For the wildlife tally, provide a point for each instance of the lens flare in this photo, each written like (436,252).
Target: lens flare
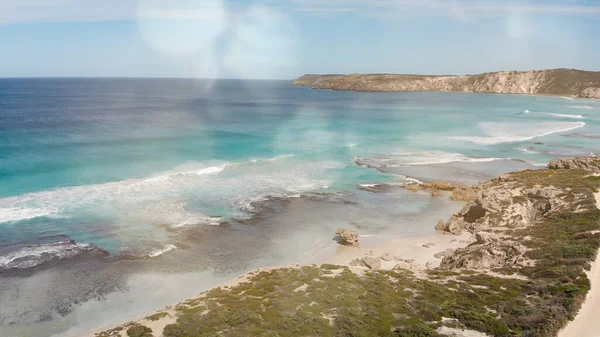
(181,27)
(263,45)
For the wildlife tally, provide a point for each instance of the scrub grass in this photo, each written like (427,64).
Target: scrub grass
(330,300)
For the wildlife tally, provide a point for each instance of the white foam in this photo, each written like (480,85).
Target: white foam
(161,251)
(11,214)
(510,132)
(402,159)
(34,255)
(568,98)
(174,197)
(565,115)
(526,111)
(369,185)
(587,107)
(170,175)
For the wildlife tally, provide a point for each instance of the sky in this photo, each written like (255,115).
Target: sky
(284,39)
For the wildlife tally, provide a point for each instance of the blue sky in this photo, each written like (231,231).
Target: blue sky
(286,38)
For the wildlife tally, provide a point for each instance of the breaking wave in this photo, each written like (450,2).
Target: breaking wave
(35,255)
(403,159)
(175,197)
(161,251)
(565,115)
(587,107)
(498,133)
(12,214)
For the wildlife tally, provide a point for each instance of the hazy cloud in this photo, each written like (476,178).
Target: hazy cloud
(18,11)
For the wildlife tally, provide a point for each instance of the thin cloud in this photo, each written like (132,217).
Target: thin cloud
(19,11)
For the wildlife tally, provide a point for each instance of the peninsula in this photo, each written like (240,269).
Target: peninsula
(560,82)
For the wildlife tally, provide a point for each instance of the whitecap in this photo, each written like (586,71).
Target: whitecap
(161,251)
(415,158)
(369,185)
(568,98)
(161,178)
(587,107)
(34,255)
(498,133)
(12,214)
(565,115)
(176,197)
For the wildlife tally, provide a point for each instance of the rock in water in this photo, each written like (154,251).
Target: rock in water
(586,163)
(349,237)
(441,225)
(371,262)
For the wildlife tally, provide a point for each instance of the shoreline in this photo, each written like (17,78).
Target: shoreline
(566,97)
(585,84)
(437,259)
(411,248)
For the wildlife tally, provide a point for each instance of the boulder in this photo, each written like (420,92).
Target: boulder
(439,185)
(355,263)
(413,187)
(446,252)
(403,265)
(349,237)
(388,257)
(481,238)
(441,225)
(371,262)
(454,227)
(586,163)
(483,256)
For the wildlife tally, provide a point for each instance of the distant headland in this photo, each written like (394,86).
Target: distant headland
(560,82)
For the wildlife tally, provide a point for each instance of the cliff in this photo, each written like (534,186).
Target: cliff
(562,82)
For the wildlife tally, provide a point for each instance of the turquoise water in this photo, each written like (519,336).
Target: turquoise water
(123,164)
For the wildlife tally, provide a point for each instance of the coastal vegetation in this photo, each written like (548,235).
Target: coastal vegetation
(522,277)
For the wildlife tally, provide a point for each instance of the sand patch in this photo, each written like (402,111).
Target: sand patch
(586,323)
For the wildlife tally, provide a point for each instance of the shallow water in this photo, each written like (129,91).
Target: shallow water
(107,185)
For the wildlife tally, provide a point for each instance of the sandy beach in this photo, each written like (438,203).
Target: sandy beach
(420,255)
(418,251)
(586,322)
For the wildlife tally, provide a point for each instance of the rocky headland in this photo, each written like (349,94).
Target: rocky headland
(562,82)
(515,261)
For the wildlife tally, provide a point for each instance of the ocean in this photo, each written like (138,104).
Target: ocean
(119,196)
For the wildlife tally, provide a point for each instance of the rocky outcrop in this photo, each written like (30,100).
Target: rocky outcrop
(490,254)
(458,192)
(371,262)
(514,201)
(586,163)
(565,82)
(348,237)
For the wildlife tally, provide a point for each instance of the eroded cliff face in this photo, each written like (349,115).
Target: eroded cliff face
(566,82)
